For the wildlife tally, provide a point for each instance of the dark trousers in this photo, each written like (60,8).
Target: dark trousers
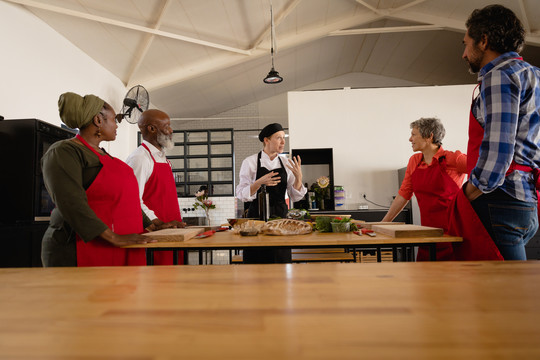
(511,223)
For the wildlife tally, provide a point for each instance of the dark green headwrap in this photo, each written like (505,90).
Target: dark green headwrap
(77,111)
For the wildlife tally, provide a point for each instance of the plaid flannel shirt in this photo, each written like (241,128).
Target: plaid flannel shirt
(508,108)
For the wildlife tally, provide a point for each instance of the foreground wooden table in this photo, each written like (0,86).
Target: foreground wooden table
(226,240)
(459,310)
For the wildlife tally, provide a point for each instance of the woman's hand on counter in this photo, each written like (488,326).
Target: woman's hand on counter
(124,240)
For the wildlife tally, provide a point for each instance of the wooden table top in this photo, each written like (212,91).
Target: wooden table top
(442,310)
(227,240)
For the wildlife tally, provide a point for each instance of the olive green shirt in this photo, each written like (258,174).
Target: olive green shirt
(69,168)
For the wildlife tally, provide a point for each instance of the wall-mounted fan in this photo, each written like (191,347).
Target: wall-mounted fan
(135,102)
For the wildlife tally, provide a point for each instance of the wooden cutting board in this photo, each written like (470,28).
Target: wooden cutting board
(369,225)
(205,227)
(175,235)
(407,231)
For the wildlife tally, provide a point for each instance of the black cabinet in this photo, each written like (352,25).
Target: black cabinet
(315,163)
(22,144)
(21,245)
(26,205)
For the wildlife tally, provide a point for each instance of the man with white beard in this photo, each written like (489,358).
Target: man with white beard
(157,187)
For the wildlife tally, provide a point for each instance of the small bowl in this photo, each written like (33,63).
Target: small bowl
(249,232)
(341,227)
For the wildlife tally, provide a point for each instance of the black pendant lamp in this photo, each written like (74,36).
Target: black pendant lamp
(273,76)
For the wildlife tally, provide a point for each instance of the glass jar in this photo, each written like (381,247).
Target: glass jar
(339,197)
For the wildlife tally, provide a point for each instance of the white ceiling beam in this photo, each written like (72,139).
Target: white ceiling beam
(374,9)
(418,17)
(281,16)
(123,24)
(143,48)
(449,24)
(385,30)
(182,74)
(406,6)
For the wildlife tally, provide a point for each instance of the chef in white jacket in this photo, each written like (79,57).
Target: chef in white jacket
(280,175)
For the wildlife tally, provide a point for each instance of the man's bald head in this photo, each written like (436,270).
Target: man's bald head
(151,117)
(154,123)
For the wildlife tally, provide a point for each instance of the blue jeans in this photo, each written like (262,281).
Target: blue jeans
(511,223)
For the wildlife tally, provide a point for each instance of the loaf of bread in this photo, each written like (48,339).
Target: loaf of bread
(286,227)
(249,226)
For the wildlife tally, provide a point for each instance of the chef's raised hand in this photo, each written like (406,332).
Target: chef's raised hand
(295,165)
(124,240)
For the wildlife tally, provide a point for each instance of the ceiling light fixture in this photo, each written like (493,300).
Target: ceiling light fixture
(273,76)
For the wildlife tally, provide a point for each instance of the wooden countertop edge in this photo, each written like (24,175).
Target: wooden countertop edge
(227,240)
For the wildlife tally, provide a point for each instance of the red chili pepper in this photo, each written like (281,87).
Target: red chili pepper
(365,231)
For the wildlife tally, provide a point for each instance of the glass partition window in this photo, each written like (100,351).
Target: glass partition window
(203,158)
(197,163)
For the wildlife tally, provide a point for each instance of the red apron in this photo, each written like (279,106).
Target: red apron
(463,220)
(114,197)
(476,135)
(434,189)
(160,196)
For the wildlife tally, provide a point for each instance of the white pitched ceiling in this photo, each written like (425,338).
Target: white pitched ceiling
(202,57)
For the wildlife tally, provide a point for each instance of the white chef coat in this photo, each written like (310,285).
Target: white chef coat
(143,166)
(248,173)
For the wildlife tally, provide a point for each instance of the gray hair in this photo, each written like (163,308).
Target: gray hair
(428,127)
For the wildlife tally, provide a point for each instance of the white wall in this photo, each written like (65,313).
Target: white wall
(37,65)
(369,131)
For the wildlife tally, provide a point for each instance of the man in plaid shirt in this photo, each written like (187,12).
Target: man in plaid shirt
(504,130)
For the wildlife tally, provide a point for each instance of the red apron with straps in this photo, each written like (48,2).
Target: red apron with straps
(114,198)
(463,220)
(434,189)
(160,196)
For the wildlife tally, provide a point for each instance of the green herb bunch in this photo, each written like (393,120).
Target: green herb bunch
(323,223)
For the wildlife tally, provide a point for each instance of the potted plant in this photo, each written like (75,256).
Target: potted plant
(321,190)
(202,201)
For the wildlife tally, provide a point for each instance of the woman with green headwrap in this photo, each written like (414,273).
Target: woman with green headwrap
(96,196)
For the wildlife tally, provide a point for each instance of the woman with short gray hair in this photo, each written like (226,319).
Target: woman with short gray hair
(428,127)
(434,175)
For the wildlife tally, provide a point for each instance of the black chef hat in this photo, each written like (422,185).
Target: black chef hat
(269,130)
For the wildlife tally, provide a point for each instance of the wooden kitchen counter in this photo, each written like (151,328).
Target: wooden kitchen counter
(450,310)
(227,240)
